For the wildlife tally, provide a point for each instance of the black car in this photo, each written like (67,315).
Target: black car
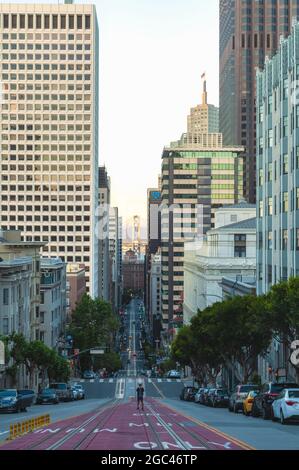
(209,397)
(187,393)
(262,403)
(11,400)
(220,397)
(48,395)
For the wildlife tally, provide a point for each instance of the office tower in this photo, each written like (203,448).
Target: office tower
(153,240)
(249,31)
(49,129)
(278,182)
(103,230)
(195,182)
(153,219)
(114,258)
(203,124)
(203,118)
(277,166)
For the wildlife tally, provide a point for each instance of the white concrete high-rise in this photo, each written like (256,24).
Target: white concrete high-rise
(49,129)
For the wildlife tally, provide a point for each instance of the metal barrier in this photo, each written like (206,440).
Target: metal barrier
(19,429)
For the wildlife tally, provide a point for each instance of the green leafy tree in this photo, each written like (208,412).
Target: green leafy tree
(93,325)
(283,305)
(242,332)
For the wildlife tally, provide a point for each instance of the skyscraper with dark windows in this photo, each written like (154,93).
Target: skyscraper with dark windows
(250,30)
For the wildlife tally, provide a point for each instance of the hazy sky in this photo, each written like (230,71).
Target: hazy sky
(152,54)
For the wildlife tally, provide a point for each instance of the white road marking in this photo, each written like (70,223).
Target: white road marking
(92,381)
(101,381)
(159,381)
(168,380)
(111,381)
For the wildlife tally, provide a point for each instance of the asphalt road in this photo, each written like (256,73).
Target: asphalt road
(260,434)
(116,398)
(57,412)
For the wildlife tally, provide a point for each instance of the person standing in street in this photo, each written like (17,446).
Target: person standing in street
(140,394)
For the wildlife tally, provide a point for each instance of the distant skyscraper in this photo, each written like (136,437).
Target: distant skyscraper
(249,31)
(203,118)
(202,125)
(49,129)
(104,203)
(191,179)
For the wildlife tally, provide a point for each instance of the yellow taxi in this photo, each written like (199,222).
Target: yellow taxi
(248,402)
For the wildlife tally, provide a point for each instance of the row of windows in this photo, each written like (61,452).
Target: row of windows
(281,240)
(29,76)
(46,36)
(46,57)
(45,47)
(38,117)
(46,228)
(46,197)
(45,188)
(45,158)
(45,147)
(45,127)
(45,168)
(45,21)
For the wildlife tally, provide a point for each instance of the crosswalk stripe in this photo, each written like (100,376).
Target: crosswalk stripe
(92,381)
(111,381)
(101,381)
(159,380)
(178,380)
(168,380)
(149,381)
(82,380)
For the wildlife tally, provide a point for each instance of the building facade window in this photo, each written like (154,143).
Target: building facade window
(240,246)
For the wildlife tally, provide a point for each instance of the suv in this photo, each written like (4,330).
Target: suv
(262,403)
(220,397)
(187,392)
(63,390)
(238,396)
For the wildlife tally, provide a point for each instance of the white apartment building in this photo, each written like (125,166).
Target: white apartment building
(13,248)
(228,251)
(53,301)
(15,301)
(49,129)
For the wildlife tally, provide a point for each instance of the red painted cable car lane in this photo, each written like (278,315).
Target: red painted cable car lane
(119,426)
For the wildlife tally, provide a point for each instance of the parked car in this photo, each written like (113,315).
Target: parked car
(75,393)
(88,375)
(248,402)
(173,374)
(209,395)
(220,397)
(11,400)
(28,393)
(48,395)
(263,401)
(198,395)
(202,397)
(238,396)
(81,391)
(285,407)
(190,395)
(63,391)
(186,391)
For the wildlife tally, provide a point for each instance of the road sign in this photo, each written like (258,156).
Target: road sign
(97,351)
(2,354)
